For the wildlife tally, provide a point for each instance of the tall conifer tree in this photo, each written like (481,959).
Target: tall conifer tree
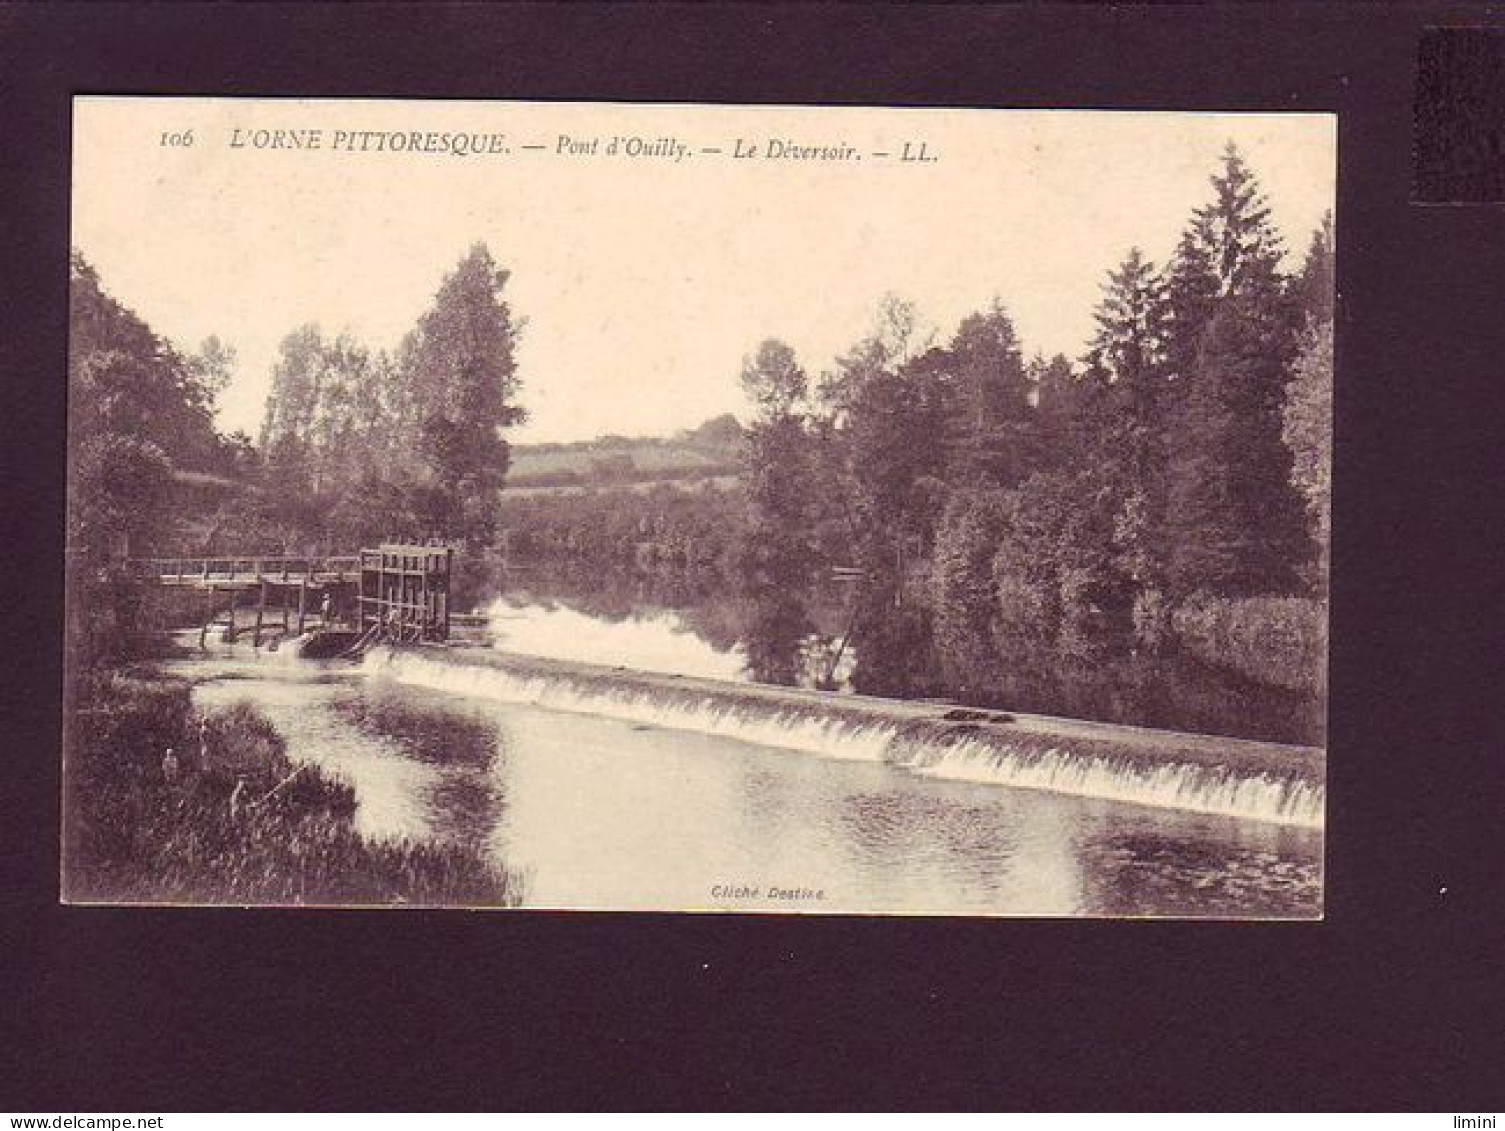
(1131,350)
(1235,523)
(1314,289)
(1057,390)
(991,438)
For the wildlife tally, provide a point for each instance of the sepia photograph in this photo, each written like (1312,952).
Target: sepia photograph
(776,509)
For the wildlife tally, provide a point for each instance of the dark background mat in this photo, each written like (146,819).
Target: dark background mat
(1391,1003)
(1460,116)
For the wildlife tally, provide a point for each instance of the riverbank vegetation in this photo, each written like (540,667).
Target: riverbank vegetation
(356,445)
(226,817)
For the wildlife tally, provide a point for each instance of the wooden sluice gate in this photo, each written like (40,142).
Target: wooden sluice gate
(397,593)
(404,594)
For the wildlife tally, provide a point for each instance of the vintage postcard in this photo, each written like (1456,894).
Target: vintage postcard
(758,509)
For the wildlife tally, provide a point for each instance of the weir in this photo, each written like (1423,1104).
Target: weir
(1168,769)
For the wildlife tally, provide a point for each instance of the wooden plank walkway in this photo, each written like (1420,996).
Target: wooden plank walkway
(248,573)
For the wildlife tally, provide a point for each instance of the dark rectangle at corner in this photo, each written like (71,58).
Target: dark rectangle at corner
(1459,146)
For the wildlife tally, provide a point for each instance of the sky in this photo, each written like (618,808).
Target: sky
(644,279)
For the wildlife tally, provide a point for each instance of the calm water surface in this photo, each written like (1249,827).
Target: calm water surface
(602,814)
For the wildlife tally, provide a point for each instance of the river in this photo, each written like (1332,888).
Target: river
(610,813)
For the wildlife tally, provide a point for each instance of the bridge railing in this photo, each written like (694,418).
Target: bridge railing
(278,567)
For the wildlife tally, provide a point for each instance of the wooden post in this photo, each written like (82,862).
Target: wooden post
(261,608)
(204,631)
(234,600)
(286,600)
(449,565)
(302,604)
(423,594)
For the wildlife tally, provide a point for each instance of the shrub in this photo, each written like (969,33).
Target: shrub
(1281,641)
(1151,619)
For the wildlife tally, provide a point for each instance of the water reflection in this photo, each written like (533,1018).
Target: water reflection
(867,637)
(461,797)
(785,638)
(775,636)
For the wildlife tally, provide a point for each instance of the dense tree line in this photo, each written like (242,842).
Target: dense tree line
(997,503)
(666,529)
(359,445)
(142,444)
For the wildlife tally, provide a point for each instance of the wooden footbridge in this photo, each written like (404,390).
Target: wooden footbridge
(397,593)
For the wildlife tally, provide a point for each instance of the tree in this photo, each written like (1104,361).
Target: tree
(1131,336)
(1245,247)
(719,435)
(776,632)
(779,547)
(459,376)
(139,414)
(1132,429)
(773,380)
(1307,428)
(409,446)
(287,424)
(329,428)
(1234,523)
(991,437)
(1315,288)
(1058,439)
(892,342)
(213,366)
(895,440)
(130,381)
(1191,294)
(1230,249)
(962,589)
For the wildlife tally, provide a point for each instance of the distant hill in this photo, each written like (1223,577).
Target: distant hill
(713,451)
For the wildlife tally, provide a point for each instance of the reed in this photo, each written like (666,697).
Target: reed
(243,825)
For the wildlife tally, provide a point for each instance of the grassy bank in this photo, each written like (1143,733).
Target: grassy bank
(242,825)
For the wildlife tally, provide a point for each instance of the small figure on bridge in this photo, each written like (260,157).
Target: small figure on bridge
(326,607)
(169,766)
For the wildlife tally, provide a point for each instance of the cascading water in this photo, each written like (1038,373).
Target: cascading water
(1255,781)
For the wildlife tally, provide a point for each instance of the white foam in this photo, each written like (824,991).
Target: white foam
(1019,764)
